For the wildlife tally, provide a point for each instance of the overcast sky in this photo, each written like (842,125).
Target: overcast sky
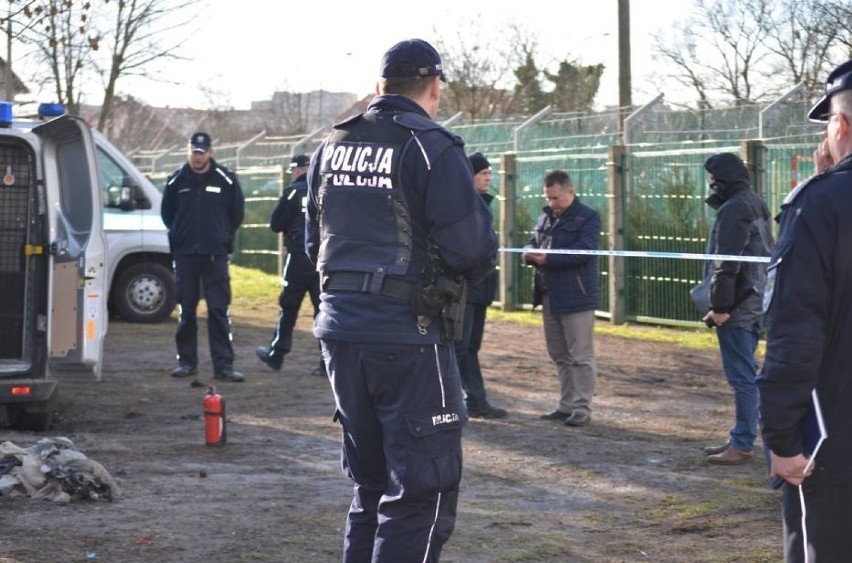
(247,49)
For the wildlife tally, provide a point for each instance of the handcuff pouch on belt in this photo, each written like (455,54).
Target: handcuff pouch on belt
(444,297)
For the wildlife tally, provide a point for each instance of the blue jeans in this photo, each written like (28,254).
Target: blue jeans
(737,345)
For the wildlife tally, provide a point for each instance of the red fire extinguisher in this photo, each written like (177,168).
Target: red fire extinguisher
(214,418)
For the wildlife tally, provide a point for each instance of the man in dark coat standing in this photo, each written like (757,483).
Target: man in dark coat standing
(742,228)
(809,332)
(567,288)
(203,207)
(479,296)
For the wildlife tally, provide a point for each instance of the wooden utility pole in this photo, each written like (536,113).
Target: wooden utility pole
(625,98)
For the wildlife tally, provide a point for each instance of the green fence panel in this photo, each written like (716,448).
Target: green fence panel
(663,204)
(589,174)
(665,212)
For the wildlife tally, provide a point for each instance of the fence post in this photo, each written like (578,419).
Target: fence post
(508,189)
(754,155)
(615,209)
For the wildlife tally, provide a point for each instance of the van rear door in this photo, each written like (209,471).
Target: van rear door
(77,317)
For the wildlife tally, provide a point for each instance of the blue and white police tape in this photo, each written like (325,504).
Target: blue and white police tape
(642,254)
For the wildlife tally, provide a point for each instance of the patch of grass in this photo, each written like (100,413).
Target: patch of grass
(702,339)
(253,289)
(679,507)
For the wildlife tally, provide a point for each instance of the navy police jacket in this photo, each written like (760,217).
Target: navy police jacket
(570,280)
(202,211)
(390,193)
(742,228)
(808,305)
(288,217)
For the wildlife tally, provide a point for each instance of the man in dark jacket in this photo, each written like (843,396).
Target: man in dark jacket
(479,296)
(567,287)
(394,228)
(809,333)
(203,208)
(742,228)
(300,275)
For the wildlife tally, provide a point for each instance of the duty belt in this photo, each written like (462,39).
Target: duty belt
(360,281)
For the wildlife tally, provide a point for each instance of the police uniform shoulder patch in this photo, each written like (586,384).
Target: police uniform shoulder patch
(226,174)
(415,121)
(348,121)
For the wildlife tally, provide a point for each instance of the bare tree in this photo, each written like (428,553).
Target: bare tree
(720,51)
(477,72)
(745,52)
(64,42)
(139,29)
(18,21)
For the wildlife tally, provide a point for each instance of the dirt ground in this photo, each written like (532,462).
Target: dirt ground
(632,486)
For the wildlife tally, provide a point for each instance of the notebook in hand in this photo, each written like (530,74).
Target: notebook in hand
(815,434)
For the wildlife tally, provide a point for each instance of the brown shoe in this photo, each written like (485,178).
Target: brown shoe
(731,456)
(714,450)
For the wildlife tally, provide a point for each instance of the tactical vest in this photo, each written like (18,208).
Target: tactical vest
(365,223)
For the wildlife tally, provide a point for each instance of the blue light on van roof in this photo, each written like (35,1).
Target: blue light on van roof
(5,114)
(50,110)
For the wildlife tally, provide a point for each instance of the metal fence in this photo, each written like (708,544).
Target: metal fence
(663,191)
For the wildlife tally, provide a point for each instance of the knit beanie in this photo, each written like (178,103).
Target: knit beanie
(478,162)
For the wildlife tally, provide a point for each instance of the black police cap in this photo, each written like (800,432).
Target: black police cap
(300,161)
(410,58)
(839,79)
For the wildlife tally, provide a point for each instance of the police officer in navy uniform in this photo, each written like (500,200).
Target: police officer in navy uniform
(300,274)
(203,208)
(808,304)
(395,227)
(479,296)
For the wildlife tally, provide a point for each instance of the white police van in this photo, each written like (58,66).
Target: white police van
(53,264)
(80,231)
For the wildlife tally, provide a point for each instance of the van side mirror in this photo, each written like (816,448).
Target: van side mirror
(127,198)
(127,201)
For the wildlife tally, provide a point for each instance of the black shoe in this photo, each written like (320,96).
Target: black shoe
(715,450)
(556,415)
(183,370)
(228,374)
(578,418)
(274,361)
(319,369)
(487,412)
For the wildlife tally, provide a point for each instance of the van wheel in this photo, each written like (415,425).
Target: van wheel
(145,293)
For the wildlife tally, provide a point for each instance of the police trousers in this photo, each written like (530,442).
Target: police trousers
(828,512)
(401,411)
(191,274)
(300,277)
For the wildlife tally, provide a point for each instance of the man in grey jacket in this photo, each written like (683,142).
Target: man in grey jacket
(742,228)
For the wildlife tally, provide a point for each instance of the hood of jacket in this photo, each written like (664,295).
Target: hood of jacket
(730,176)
